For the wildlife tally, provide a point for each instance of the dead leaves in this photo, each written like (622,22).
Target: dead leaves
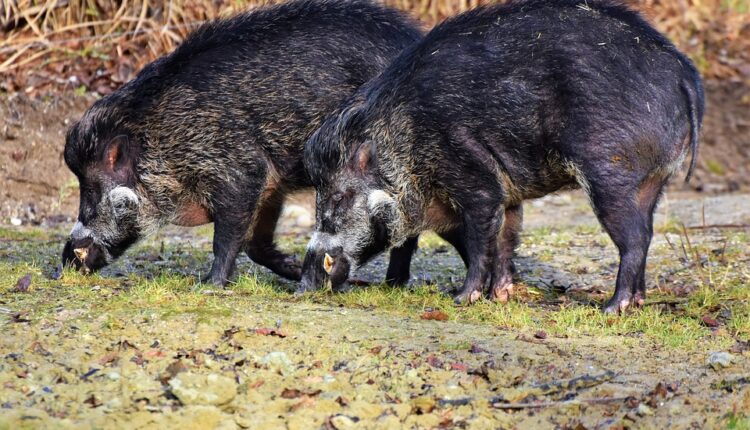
(476,349)
(433,361)
(109,358)
(709,322)
(23,284)
(270,332)
(19,317)
(37,348)
(434,315)
(306,397)
(154,353)
(176,367)
(461,367)
(293,393)
(263,331)
(93,401)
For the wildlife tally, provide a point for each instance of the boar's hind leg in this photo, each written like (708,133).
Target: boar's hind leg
(400,259)
(626,213)
(502,276)
(482,224)
(261,248)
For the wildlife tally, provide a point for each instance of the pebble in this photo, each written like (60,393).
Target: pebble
(16,221)
(196,389)
(277,360)
(720,360)
(644,410)
(342,422)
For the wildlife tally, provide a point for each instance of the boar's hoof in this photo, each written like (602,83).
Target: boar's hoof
(617,306)
(467,298)
(343,287)
(502,293)
(639,300)
(214,280)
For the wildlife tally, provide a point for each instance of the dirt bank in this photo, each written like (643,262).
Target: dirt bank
(35,185)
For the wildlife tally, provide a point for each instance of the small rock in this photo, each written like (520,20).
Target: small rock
(341,422)
(277,360)
(643,410)
(720,360)
(423,404)
(196,389)
(16,221)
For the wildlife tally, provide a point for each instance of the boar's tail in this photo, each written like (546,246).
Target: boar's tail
(694,93)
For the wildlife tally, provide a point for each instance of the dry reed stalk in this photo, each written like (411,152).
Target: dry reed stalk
(716,33)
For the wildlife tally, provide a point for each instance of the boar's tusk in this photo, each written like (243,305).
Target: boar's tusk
(81,254)
(328,263)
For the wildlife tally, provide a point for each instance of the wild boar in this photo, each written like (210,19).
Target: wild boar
(499,105)
(214,131)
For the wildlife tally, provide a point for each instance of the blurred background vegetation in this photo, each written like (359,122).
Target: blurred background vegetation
(99,44)
(73,51)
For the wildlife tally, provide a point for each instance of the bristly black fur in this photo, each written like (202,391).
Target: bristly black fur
(325,150)
(215,130)
(502,104)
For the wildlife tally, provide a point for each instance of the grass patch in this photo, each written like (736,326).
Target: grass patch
(722,293)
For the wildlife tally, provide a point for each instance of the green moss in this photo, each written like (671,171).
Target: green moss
(716,167)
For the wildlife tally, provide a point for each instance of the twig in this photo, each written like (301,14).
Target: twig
(692,249)
(596,401)
(577,383)
(666,302)
(706,227)
(30,182)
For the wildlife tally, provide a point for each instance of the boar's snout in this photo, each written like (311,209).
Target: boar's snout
(320,266)
(83,254)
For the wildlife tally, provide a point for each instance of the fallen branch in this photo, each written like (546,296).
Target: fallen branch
(578,383)
(597,401)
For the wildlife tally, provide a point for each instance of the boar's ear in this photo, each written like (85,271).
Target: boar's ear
(119,159)
(365,157)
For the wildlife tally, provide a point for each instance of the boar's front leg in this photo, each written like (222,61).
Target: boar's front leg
(232,215)
(482,221)
(230,229)
(400,262)
(261,247)
(504,270)
(400,259)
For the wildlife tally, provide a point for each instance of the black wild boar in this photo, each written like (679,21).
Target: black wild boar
(215,131)
(499,105)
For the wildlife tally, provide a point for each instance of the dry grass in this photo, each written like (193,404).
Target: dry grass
(123,36)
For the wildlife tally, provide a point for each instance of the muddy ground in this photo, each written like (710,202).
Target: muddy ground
(144,345)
